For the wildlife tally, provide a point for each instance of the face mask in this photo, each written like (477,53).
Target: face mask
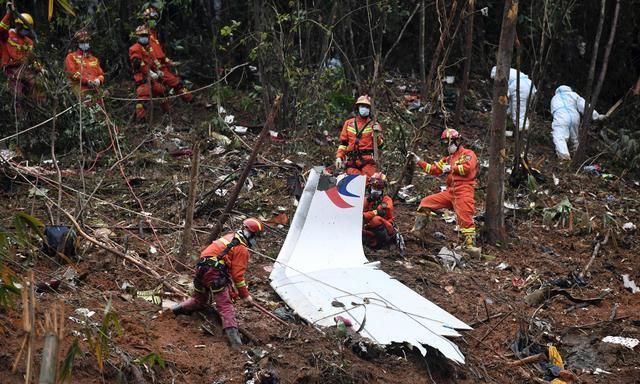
(24,32)
(452,148)
(375,193)
(84,46)
(144,40)
(363,111)
(251,239)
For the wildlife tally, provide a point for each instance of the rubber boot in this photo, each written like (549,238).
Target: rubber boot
(233,336)
(422,219)
(469,245)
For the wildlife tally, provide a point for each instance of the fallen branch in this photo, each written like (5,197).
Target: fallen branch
(493,328)
(485,320)
(594,254)
(537,358)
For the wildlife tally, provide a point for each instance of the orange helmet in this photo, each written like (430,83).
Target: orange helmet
(364,100)
(450,134)
(82,35)
(142,30)
(253,225)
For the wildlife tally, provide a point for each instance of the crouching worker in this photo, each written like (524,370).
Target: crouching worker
(460,168)
(223,262)
(378,231)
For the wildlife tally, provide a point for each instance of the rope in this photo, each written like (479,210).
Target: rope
(183,93)
(37,125)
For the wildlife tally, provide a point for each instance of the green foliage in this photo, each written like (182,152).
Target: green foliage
(228,30)
(559,212)
(67,364)
(152,359)
(99,338)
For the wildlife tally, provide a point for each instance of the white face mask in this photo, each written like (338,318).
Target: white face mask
(84,46)
(452,148)
(144,40)
(375,193)
(363,111)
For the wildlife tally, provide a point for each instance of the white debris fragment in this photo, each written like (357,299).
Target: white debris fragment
(629,226)
(599,371)
(556,181)
(630,284)
(153,250)
(229,119)
(221,110)
(624,341)
(86,312)
(502,266)
(239,129)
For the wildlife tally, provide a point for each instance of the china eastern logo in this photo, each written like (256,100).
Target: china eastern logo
(335,192)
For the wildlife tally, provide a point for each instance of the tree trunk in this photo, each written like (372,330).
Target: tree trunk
(422,41)
(427,85)
(468,52)
(583,138)
(495,183)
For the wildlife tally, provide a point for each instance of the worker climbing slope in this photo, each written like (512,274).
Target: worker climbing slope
(356,149)
(378,231)
(527,91)
(83,68)
(566,108)
(151,16)
(460,167)
(222,263)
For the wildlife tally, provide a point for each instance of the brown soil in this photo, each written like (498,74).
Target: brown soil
(299,353)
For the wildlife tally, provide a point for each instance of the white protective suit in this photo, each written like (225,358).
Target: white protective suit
(526,91)
(566,108)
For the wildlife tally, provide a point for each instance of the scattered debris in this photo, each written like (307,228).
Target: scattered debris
(439,236)
(593,169)
(86,312)
(239,129)
(450,258)
(599,371)
(629,226)
(503,266)
(630,284)
(624,341)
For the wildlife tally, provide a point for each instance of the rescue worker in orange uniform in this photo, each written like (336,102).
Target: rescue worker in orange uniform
(222,263)
(460,167)
(83,68)
(146,72)
(356,141)
(168,78)
(17,48)
(378,230)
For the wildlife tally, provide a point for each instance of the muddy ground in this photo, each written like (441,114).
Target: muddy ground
(488,293)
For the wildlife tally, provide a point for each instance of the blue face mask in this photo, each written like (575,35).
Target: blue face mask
(363,111)
(144,40)
(84,46)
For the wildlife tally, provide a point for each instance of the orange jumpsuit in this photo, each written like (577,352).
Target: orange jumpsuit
(378,221)
(81,67)
(461,182)
(16,50)
(146,62)
(169,79)
(356,146)
(214,279)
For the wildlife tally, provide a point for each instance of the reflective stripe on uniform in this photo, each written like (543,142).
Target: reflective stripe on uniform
(241,284)
(467,231)
(461,170)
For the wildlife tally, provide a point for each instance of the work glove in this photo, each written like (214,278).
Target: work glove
(9,6)
(413,156)
(377,128)
(248,301)
(339,163)
(446,168)
(160,74)
(94,83)
(153,75)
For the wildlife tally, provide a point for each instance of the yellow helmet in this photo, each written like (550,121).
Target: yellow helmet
(363,100)
(27,17)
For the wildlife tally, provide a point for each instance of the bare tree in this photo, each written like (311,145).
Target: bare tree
(497,153)
(468,51)
(583,139)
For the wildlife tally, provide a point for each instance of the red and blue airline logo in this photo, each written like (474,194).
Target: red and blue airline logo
(335,192)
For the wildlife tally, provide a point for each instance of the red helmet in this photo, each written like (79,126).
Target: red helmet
(82,35)
(253,225)
(378,180)
(450,134)
(142,30)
